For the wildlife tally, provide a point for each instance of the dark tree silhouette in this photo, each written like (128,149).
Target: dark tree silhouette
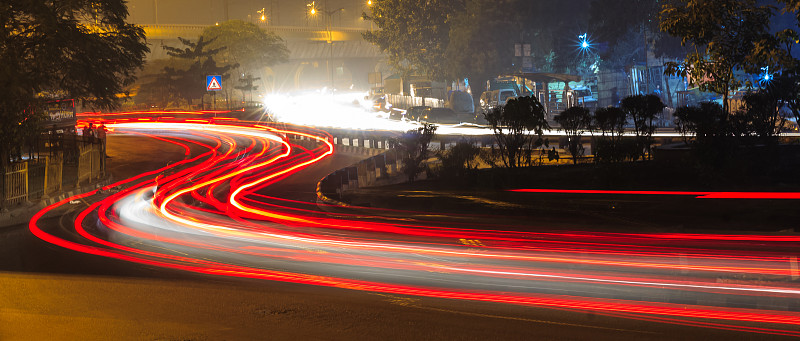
(574,121)
(78,49)
(413,146)
(189,83)
(512,125)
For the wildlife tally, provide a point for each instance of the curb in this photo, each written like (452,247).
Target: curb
(74,192)
(323,199)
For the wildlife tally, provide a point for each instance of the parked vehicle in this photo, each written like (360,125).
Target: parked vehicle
(461,102)
(584,97)
(441,115)
(491,99)
(417,113)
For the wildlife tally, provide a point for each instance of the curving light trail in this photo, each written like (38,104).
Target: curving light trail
(214,213)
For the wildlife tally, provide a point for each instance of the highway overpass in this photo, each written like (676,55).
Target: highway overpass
(313,56)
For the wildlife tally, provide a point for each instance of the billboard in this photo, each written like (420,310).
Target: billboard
(61,113)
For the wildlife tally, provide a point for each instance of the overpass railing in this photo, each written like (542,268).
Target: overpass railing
(174,31)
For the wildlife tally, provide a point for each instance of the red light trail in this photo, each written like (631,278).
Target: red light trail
(699,195)
(214,213)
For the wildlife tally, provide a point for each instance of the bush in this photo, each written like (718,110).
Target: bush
(413,148)
(457,161)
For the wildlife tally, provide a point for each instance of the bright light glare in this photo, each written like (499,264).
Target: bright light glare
(353,111)
(344,111)
(767,77)
(312,8)
(347,111)
(584,41)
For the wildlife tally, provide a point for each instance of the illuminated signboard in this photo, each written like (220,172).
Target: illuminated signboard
(61,113)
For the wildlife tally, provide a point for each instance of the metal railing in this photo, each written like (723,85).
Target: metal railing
(405,102)
(15,183)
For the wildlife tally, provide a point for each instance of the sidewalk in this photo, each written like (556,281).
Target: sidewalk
(20,214)
(130,156)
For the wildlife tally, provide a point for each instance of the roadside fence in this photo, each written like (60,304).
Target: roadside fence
(38,178)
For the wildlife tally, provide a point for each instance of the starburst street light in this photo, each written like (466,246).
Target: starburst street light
(585,44)
(766,77)
(312,11)
(312,8)
(263,13)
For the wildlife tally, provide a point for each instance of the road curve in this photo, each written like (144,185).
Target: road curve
(213,213)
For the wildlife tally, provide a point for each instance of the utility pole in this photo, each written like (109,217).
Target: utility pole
(329,29)
(155,11)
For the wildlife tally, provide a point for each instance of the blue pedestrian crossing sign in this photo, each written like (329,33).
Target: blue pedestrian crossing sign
(213,83)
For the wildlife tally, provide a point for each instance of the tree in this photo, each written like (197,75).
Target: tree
(722,35)
(786,88)
(574,121)
(631,30)
(246,84)
(552,29)
(413,146)
(473,38)
(776,52)
(188,83)
(611,122)
(704,122)
(154,86)
(642,109)
(246,45)
(512,125)
(480,46)
(714,140)
(414,34)
(612,20)
(763,115)
(459,159)
(49,50)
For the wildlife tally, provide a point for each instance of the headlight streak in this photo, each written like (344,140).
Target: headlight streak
(349,111)
(211,211)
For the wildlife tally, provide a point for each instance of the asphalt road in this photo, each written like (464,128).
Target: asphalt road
(53,293)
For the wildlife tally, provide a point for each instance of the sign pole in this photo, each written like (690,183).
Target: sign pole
(214,84)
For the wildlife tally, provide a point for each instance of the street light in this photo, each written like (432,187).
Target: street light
(766,77)
(263,13)
(369,4)
(584,42)
(312,10)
